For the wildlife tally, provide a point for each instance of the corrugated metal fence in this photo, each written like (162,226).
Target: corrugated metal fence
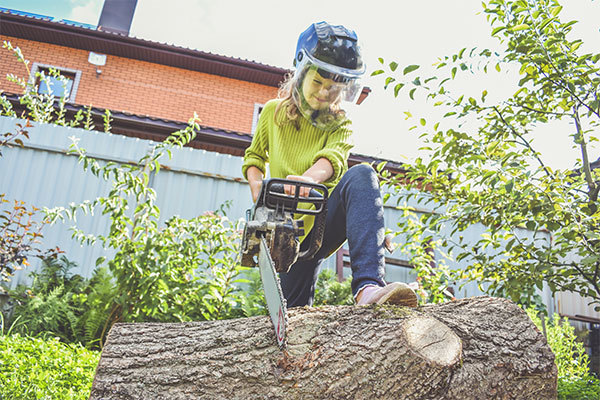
(191,183)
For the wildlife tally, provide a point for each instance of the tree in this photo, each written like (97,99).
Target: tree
(477,348)
(480,168)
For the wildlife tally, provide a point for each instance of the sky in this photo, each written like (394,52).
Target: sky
(407,32)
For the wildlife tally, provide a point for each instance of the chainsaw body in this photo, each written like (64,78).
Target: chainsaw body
(272,218)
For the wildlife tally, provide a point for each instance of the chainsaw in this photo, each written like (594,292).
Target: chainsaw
(271,239)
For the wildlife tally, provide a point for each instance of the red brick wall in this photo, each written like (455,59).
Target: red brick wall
(144,88)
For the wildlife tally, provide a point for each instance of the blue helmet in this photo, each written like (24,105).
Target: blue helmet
(328,65)
(334,48)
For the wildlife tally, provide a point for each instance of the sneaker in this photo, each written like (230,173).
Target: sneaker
(396,293)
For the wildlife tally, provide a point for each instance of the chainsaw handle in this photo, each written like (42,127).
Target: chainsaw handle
(274,197)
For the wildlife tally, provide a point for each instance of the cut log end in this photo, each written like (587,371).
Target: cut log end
(432,340)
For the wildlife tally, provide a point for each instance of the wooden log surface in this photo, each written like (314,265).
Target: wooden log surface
(476,348)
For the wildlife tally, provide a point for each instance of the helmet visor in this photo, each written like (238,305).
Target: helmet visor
(327,85)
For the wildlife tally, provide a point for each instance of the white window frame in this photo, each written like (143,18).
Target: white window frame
(36,67)
(258,107)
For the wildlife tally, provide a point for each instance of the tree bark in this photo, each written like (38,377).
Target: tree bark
(477,348)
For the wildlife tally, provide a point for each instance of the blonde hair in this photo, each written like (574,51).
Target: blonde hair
(289,105)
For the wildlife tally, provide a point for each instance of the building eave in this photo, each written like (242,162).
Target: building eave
(207,138)
(68,35)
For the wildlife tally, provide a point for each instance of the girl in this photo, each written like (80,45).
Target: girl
(304,135)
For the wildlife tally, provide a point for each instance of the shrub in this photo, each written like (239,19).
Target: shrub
(34,368)
(574,379)
(579,389)
(331,292)
(64,305)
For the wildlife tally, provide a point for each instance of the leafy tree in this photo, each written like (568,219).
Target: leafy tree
(480,167)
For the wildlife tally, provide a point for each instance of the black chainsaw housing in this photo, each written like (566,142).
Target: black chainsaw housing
(272,217)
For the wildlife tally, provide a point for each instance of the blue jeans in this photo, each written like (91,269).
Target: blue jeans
(355,213)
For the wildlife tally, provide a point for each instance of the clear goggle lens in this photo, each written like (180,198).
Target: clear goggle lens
(333,86)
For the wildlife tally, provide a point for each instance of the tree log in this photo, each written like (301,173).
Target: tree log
(477,348)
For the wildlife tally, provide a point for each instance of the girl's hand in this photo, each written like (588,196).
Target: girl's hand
(304,191)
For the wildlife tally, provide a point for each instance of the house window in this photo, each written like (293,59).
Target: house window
(257,110)
(54,85)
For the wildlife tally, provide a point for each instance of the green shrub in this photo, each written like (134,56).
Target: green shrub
(253,297)
(34,368)
(574,379)
(579,389)
(64,305)
(331,292)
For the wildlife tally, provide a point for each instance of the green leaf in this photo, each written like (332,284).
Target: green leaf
(520,27)
(388,80)
(410,69)
(397,89)
(555,10)
(411,94)
(377,72)
(393,66)
(423,122)
(453,73)
(498,29)
(545,23)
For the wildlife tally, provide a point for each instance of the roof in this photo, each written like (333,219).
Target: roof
(85,37)
(207,138)
(45,29)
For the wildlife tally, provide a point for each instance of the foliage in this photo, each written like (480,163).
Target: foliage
(20,232)
(579,389)
(253,301)
(184,270)
(62,305)
(574,379)
(480,167)
(34,368)
(95,303)
(20,235)
(571,358)
(44,107)
(331,292)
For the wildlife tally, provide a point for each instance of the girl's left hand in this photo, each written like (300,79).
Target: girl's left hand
(304,191)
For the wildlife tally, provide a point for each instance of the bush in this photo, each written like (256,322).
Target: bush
(64,305)
(574,379)
(579,389)
(33,368)
(331,292)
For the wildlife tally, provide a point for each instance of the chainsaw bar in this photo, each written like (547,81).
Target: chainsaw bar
(273,295)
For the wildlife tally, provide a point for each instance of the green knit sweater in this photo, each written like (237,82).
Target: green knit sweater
(291,151)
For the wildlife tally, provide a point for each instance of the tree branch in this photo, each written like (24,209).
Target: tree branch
(525,142)
(580,140)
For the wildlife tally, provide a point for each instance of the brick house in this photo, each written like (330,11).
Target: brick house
(151,88)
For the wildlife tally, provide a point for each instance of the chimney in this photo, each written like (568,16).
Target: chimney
(116,16)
